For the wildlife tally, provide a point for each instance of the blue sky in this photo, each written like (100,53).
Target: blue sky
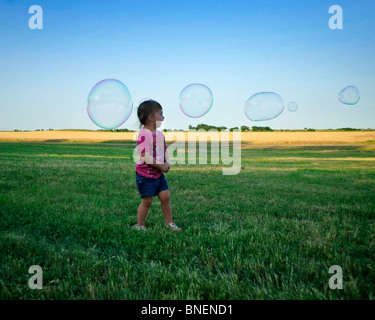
(156,48)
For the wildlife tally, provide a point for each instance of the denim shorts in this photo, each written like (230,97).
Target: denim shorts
(150,187)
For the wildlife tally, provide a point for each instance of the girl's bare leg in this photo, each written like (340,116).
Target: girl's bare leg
(143,210)
(165,200)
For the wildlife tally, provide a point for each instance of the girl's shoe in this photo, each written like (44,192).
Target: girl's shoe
(172,226)
(140,228)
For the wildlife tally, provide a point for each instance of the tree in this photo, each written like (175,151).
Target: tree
(256,128)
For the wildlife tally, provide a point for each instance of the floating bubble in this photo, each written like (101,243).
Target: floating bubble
(292,106)
(349,95)
(264,106)
(109,104)
(196,100)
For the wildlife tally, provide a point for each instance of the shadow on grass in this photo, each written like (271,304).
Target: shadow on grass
(304,147)
(56,140)
(119,141)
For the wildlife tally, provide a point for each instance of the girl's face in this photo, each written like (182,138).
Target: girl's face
(158,117)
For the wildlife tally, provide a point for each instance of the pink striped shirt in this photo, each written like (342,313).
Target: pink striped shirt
(148,141)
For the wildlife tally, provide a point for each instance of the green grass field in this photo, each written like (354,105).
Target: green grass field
(270,232)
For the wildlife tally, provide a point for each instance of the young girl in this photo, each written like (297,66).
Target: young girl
(153,162)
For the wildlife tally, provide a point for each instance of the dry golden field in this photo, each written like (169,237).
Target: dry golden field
(247,138)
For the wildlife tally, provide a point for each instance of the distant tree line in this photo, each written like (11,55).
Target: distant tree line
(116,130)
(243,128)
(348,129)
(207,127)
(256,128)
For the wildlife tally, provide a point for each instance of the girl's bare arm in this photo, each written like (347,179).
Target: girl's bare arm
(147,158)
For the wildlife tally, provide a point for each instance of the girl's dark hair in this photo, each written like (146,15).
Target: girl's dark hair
(147,108)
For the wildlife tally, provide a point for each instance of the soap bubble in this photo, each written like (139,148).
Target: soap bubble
(292,106)
(196,100)
(264,106)
(109,104)
(349,95)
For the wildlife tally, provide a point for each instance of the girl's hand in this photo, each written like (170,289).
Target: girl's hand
(165,167)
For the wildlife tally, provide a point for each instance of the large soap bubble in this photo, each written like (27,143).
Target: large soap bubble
(196,100)
(109,104)
(349,95)
(264,106)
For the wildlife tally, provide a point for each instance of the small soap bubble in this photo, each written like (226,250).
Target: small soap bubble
(292,106)
(109,104)
(349,95)
(196,100)
(264,106)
